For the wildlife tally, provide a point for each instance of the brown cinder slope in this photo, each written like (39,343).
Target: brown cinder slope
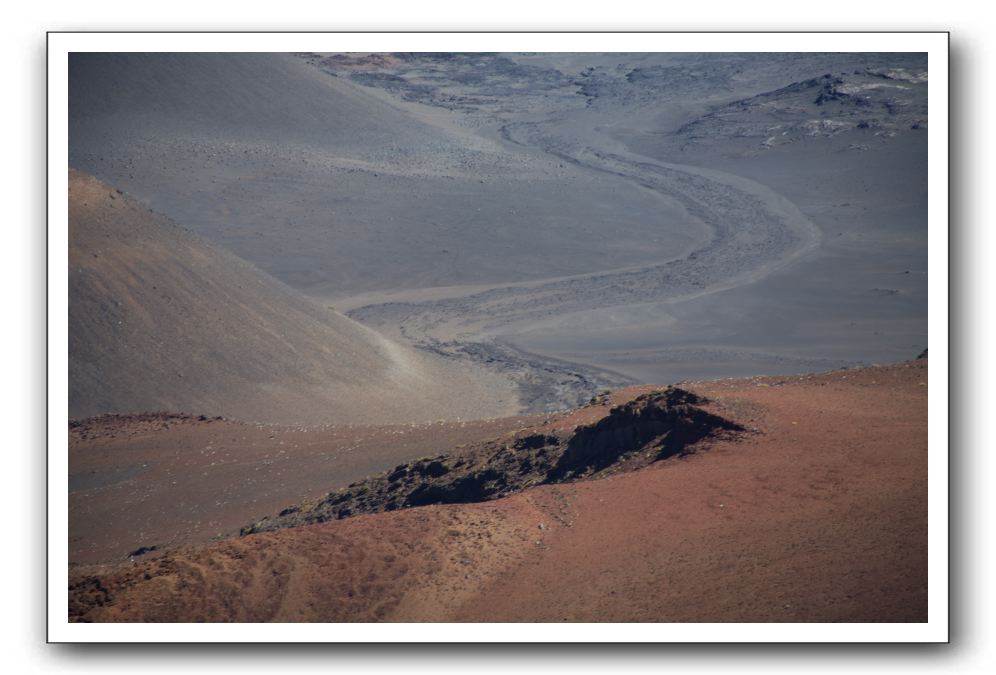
(819,514)
(159,320)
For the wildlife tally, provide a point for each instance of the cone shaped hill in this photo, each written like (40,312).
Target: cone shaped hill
(161,320)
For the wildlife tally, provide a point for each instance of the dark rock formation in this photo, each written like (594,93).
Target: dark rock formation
(649,428)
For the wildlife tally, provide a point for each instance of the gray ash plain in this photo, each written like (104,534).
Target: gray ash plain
(571,221)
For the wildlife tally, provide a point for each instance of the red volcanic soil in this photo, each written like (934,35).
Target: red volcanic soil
(165,480)
(817,513)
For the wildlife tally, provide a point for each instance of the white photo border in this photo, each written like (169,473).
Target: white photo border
(935,44)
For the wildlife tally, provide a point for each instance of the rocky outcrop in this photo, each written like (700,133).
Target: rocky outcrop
(670,421)
(649,428)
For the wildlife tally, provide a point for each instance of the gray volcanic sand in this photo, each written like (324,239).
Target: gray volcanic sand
(336,191)
(861,297)
(654,216)
(160,320)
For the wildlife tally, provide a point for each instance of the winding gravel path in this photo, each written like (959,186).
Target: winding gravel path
(754,231)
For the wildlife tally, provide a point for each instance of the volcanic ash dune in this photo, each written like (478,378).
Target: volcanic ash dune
(159,320)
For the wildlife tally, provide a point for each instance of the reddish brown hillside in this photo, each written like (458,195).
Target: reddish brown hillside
(818,514)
